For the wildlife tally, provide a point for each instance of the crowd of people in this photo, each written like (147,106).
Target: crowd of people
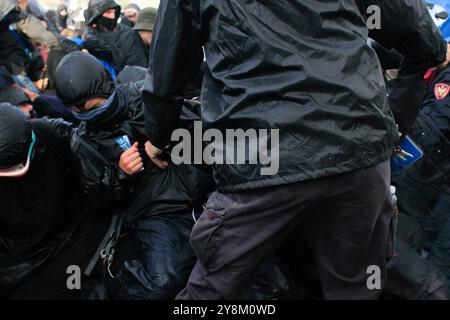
(87,178)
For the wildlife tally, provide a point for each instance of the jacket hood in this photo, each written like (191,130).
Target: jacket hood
(60,8)
(15,135)
(80,77)
(97,7)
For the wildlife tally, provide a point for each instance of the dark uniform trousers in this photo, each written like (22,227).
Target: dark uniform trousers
(348,219)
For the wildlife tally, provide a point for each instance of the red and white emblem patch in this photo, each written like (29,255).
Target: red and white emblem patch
(441,90)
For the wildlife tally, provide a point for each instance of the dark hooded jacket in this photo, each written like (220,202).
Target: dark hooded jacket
(61,21)
(100,41)
(132,49)
(97,144)
(97,7)
(303,67)
(40,211)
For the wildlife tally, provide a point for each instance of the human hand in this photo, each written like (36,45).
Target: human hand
(131,161)
(154,153)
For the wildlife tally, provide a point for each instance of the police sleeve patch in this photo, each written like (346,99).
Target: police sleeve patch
(441,90)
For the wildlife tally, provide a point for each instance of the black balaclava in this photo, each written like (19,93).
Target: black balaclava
(107,23)
(80,77)
(15,136)
(93,14)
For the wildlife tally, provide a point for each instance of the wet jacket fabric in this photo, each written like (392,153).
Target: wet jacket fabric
(99,41)
(39,211)
(133,51)
(309,73)
(95,141)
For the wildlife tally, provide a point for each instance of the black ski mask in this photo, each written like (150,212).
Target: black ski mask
(109,24)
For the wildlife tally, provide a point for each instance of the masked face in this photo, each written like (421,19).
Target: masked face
(109,24)
(94,109)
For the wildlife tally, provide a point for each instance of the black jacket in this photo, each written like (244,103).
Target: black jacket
(40,211)
(103,45)
(97,7)
(133,51)
(152,191)
(120,48)
(303,67)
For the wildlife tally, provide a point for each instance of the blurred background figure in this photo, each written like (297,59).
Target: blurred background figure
(130,15)
(61,17)
(145,25)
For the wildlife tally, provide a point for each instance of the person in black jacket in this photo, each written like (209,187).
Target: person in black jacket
(157,206)
(100,37)
(134,44)
(45,227)
(305,69)
(411,275)
(430,176)
(61,17)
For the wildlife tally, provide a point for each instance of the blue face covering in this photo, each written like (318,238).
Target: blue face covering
(106,109)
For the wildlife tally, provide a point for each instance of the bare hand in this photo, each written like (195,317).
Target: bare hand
(131,161)
(154,153)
